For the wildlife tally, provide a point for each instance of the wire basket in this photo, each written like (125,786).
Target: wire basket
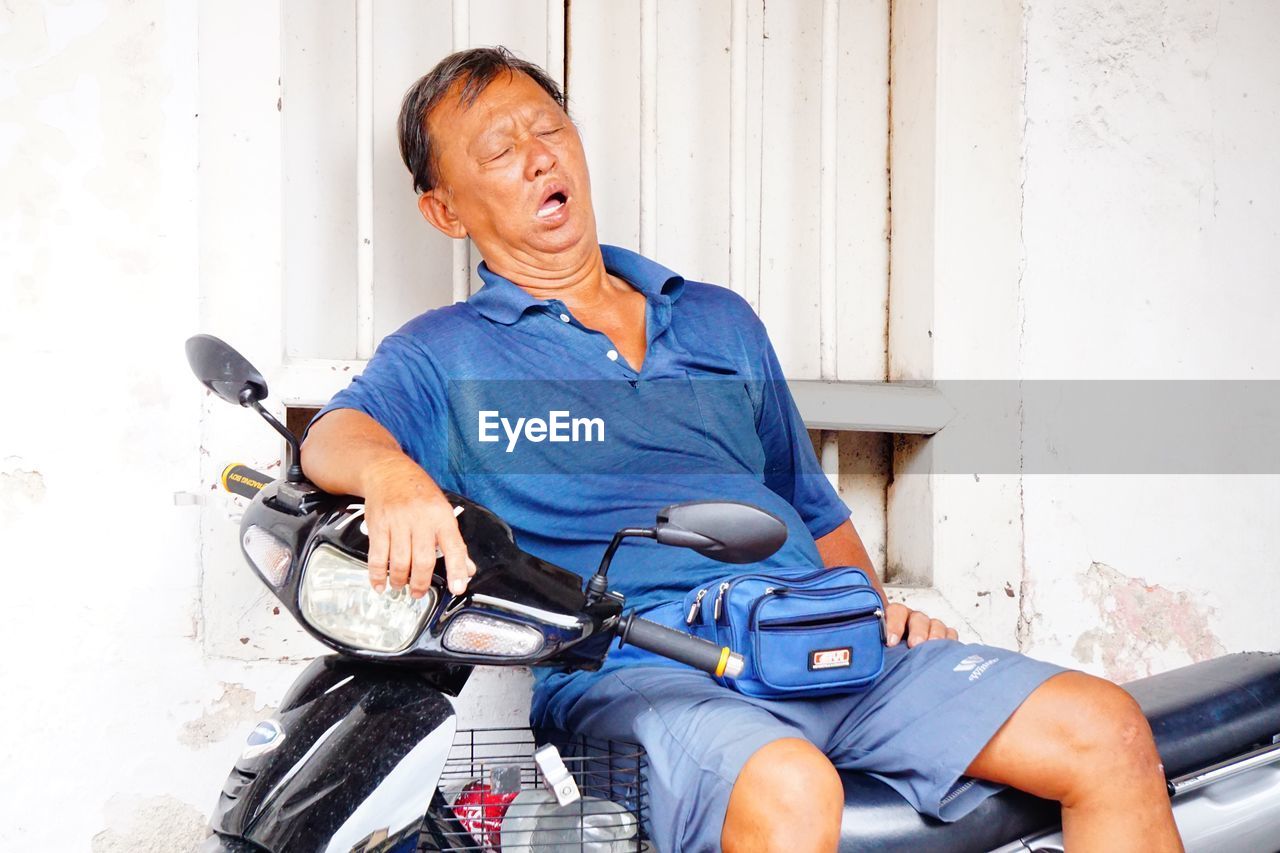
(492,796)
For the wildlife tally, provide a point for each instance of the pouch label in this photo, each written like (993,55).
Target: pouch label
(830,658)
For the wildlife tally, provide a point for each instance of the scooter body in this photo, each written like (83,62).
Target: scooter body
(353,758)
(348,763)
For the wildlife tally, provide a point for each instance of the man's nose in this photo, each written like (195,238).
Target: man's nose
(540,159)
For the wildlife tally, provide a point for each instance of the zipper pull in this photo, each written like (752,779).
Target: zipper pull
(884,634)
(695,607)
(719,608)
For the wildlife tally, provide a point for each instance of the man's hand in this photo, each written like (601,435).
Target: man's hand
(408,519)
(901,620)
(407,516)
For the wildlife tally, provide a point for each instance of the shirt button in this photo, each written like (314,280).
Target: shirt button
(612,354)
(564,317)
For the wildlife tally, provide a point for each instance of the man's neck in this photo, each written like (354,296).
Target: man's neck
(578,279)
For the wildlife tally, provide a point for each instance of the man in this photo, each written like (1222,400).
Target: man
(495,157)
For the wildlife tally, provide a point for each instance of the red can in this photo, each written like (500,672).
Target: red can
(480,811)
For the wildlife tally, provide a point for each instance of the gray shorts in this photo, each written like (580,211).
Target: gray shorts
(916,729)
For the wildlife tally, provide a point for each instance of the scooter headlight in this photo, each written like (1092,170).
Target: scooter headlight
(478,634)
(336,599)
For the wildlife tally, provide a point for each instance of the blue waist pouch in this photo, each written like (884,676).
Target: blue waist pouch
(808,632)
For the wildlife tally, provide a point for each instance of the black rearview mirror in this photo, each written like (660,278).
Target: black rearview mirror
(727,531)
(224,371)
(228,374)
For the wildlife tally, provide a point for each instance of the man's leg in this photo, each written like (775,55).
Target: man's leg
(945,710)
(702,741)
(1084,742)
(787,797)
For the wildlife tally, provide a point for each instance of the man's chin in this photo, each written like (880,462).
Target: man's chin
(562,239)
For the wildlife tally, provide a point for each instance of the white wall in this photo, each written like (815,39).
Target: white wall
(1150,217)
(116,727)
(1127,231)
(1086,191)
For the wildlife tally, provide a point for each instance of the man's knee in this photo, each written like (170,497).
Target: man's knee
(1106,738)
(788,796)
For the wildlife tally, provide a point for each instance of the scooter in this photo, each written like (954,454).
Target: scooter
(365,753)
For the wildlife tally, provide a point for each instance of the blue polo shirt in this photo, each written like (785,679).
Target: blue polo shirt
(511,401)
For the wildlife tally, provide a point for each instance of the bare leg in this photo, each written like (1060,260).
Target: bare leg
(1084,742)
(788,797)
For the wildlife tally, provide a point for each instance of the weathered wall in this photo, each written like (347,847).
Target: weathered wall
(120,720)
(116,728)
(1151,209)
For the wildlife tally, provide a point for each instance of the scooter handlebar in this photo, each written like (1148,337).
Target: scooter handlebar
(679,646)
(243,480)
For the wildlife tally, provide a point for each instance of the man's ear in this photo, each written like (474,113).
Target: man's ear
(439,213)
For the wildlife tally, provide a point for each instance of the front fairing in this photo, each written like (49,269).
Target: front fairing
(351,757)
(509,583)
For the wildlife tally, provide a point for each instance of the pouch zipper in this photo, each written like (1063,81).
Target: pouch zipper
(696,606)
(853,621)
(877,612)
(716,611)
(808,621)
(727,586)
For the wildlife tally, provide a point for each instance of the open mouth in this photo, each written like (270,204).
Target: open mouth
(552,203)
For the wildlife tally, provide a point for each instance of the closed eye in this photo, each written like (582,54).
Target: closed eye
(553,130)
(499,155)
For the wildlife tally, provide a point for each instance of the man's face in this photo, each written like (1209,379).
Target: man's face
(511,174)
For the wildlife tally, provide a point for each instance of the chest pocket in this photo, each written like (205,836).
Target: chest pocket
(728,417)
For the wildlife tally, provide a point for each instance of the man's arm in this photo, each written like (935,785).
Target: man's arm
(349,453)
(843,547)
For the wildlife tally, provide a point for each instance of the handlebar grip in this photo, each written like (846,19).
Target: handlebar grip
(679,646)
(243,480)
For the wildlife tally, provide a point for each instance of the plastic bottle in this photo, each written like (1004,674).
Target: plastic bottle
(534,821)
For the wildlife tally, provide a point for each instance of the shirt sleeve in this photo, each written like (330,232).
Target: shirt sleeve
(402,389)
(791,467)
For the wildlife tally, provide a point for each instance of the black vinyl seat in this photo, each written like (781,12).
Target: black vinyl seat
(1200,714)
(1211,710)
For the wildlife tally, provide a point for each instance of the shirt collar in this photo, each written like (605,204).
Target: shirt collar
(504,302)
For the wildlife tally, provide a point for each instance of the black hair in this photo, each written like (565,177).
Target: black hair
(475,68)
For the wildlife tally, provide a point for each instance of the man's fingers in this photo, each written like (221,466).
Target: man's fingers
(424,562)
(457,564)
(401,557)
(377,557)
(895,621)
(917,629)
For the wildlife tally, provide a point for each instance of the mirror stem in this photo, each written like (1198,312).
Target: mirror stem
(599,584)
(294,471)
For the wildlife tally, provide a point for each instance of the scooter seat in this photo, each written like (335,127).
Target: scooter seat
(1200,714)
(1208,711)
